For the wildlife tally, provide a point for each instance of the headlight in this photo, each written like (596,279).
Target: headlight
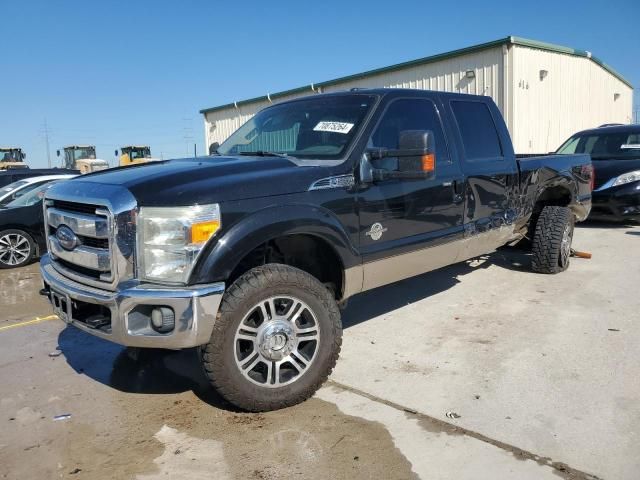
(627,178)
(170,239)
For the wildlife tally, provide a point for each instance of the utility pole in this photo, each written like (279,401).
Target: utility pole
(187,133)
(46,139)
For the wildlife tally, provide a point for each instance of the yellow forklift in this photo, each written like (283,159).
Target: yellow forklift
(83,158)
(12,157)
(134,154)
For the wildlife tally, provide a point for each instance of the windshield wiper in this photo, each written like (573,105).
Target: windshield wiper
(264,153)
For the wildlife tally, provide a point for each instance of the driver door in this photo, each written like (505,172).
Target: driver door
(410,226)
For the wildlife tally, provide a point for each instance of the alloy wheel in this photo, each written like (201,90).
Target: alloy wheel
(565,245)
(15,249)
(277,341)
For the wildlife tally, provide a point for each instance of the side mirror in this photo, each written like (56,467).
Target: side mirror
(57,153)
(366,170)
(416,156)
(418,148)
(213,148)
(115,153)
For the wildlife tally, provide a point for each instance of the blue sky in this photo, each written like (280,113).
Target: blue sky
(119,72)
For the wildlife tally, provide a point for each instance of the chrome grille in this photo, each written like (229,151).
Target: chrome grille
(102,243)
(74,206)
(91,258)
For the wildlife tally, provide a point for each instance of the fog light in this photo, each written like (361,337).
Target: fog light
(163,319)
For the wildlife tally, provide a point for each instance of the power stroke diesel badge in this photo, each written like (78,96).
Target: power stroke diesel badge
(376,231)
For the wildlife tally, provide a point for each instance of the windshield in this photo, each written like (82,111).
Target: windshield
(77,153)
(19,188)
(140,153)
(10,156)
(80,153)
(318,127)
(12,186)
(32,197)
(604,145)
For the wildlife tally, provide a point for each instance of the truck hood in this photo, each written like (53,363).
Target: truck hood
(192,181)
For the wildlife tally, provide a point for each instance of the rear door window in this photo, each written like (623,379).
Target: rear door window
(479,134)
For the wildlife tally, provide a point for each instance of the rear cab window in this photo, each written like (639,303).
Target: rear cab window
(478,131)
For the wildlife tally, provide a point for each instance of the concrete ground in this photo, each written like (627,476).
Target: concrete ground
(482,370)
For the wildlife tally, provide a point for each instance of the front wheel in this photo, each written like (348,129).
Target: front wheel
(551,247)
(17,248)
(276,340)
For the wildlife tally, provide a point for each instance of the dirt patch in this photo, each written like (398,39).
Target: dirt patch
(312,440)
(156,417)
(20,297)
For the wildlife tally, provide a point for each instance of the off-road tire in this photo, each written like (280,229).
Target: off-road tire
(549,254)
(218,356)
(32,248)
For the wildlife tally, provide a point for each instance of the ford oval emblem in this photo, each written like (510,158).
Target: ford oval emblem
(67,239)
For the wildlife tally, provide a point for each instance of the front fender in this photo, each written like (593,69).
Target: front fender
(222,256)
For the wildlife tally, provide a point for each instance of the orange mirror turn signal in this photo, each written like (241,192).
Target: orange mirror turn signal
(428,162)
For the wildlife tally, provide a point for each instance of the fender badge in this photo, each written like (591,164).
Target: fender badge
(376,231)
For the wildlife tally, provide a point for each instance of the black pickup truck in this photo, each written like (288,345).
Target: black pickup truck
(249,253)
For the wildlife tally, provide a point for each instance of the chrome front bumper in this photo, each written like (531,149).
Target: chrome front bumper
(195,310)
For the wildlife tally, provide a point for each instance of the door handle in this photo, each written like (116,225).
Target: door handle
(458,191)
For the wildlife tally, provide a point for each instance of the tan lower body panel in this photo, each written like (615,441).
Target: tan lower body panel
(398,267)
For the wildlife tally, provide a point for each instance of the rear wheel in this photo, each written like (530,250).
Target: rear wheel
(551,247)
(17,248)
(276,340)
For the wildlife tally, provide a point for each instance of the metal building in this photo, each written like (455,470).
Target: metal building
(545,92)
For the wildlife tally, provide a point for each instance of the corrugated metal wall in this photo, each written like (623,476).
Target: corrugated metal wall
(575,94)
(447,75)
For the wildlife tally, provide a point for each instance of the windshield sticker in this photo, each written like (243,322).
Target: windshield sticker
(630,146)
(337,127)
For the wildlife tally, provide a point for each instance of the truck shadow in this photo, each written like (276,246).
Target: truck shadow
(382,300)
(152,371)
(164,372)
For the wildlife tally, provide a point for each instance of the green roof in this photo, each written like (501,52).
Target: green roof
(550,47)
